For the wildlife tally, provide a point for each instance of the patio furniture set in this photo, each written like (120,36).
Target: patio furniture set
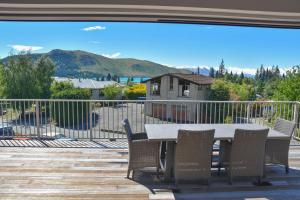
(184,152)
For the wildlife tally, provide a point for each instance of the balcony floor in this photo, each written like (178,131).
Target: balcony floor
(98,172)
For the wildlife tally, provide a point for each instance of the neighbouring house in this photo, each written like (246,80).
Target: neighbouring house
(176,86)
(93,85)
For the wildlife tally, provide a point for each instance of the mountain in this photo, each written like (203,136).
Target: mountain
(85,64)
(205,71)
(202,70)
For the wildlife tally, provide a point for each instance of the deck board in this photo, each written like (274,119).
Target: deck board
(66,173)
(97,170)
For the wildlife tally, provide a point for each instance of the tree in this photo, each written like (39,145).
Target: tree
(128,81)
(57,87)
(212,72)
(242,76)
(257,74)
(219,91)
(277,71)
(227,76)
(108,78)
(270,88)
(102,78)
(115,78)
(222,69)
(44,71)
(21,78)
(289,88)
(18,78)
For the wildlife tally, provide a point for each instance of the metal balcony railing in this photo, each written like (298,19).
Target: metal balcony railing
(101,119)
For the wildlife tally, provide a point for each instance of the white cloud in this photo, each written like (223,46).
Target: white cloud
(25,47)
(252,71)
(114,55)
(93,28)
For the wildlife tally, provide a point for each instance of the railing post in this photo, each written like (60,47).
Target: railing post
(296,112)
(248,112)
(197,112)
(37,117)
(91,120)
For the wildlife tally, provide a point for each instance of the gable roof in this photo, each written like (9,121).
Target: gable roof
(197,79)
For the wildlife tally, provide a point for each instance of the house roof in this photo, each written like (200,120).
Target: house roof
(86,83)
(198,79)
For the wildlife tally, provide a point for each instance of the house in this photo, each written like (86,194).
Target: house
(93,85)
(176,86)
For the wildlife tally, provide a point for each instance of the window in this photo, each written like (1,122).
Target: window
(185,88)
(155,87)
(171,83)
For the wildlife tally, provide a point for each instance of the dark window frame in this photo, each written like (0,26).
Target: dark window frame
(171,82)
(185,86)
(155,87)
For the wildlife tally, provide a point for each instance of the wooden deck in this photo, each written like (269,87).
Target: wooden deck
(99,172)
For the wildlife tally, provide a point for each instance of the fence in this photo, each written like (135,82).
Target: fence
(89,119)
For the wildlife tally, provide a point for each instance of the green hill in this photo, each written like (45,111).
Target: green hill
(85,64)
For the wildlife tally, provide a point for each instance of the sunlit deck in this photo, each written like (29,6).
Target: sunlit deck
(62,170)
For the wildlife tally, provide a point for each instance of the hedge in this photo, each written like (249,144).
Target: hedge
(135,91)
(71,114)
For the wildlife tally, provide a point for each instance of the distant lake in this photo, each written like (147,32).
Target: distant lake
(124,79)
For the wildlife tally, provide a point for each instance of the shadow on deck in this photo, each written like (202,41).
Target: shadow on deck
(61,143)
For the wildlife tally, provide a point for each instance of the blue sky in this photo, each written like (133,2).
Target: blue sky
(179,45)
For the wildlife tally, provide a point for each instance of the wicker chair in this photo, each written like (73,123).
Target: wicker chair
(277,150)
(142,153)
(245,156)
(193,154)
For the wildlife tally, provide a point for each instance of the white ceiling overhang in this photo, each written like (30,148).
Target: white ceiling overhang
(270,13)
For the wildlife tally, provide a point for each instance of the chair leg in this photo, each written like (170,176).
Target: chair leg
(208,182)
(230,180)
(287,169)
(133,172)
(157,172)
(128,173)
(259,180)
(219,169)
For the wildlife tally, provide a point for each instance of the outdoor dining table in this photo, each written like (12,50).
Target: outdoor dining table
(168,133)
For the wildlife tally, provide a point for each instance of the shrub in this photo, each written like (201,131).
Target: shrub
(57,87)
(70,114)
(220,91)
(74,93)
(228,120)
(135,91)
(111,92)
